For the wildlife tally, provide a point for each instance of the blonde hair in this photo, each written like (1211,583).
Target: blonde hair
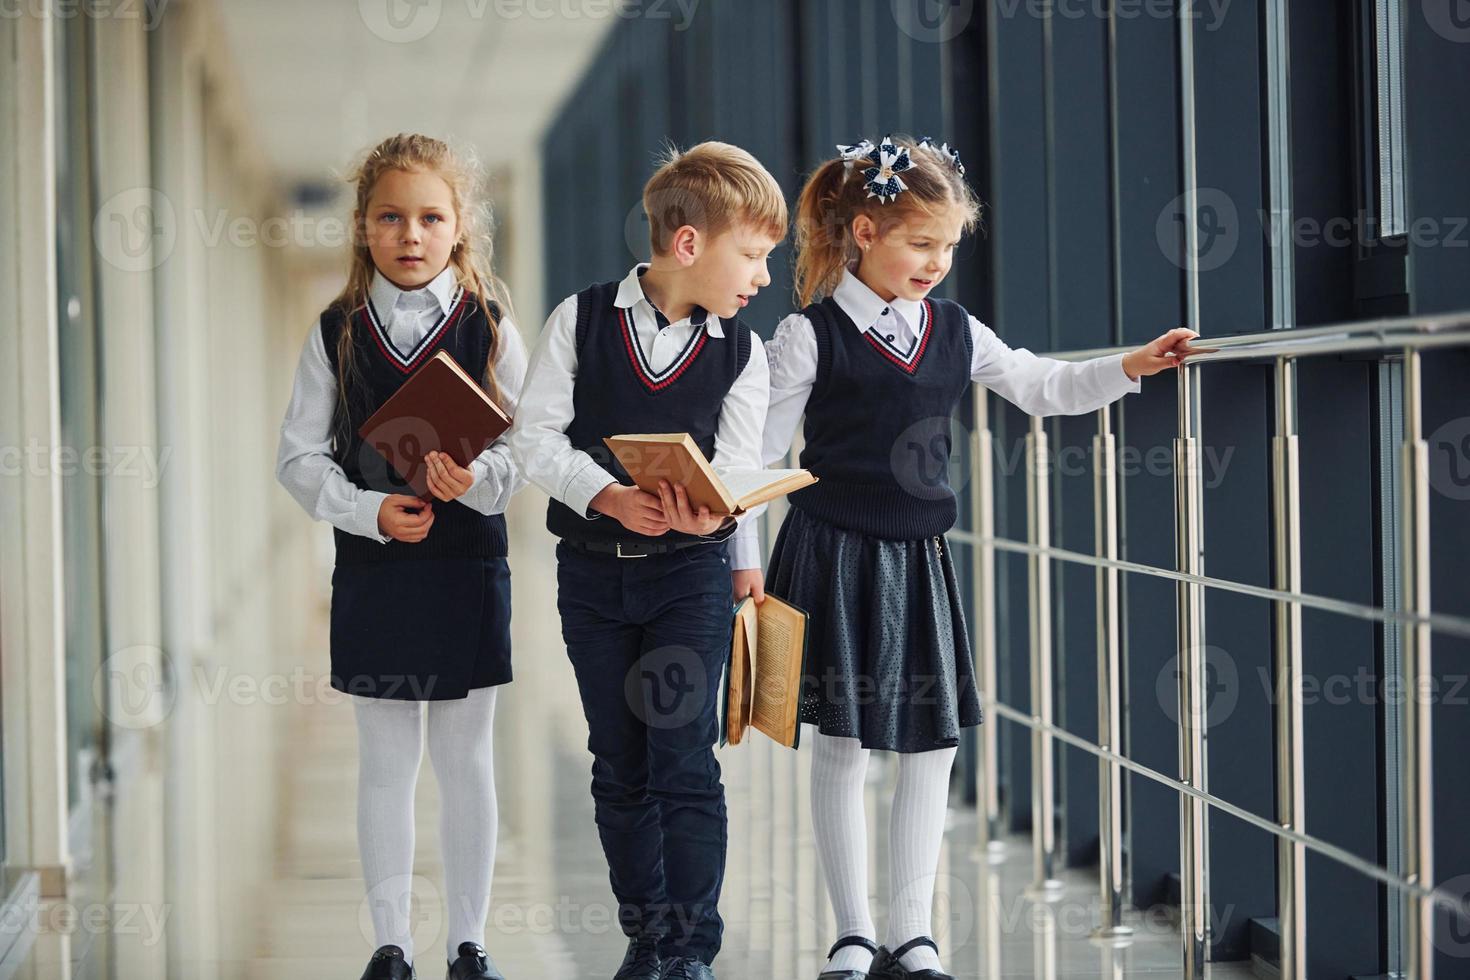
(471,258)
(836,193)
(711,186)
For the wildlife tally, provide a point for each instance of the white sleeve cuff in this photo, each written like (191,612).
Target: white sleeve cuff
(745,547)
(365,522)
(585,484)
(1126,385)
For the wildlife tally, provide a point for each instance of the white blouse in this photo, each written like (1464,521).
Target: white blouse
(304,463)
(1036,385)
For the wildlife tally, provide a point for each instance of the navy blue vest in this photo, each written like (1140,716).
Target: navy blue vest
(458,531)
(878,424)
(617,393)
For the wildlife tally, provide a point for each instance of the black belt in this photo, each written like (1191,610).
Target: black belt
(634,549)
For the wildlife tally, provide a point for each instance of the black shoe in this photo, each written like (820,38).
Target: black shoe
(473,964)
(388,964)
(846,941)
(641,962)
(686,968)
(887,966)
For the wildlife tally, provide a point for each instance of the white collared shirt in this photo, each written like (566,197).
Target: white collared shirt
(539,438)
(1036,385)
(304,463)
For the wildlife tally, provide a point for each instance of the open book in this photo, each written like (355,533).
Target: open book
(763,679)
(673,456)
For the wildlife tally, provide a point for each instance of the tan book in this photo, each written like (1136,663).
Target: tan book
(673,456)
(763,678)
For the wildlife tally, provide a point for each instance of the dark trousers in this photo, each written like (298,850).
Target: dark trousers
(648,638)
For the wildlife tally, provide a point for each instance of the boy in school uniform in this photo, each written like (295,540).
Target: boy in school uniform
(644,587)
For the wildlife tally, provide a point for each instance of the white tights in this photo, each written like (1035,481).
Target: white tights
(915,833)
(390,737)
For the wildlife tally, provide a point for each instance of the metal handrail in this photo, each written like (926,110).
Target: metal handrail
(1446,623)
(1386,333)
(1406,336)
(1403,335)
(1348,859)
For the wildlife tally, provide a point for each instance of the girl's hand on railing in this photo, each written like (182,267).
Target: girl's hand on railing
(1160,354)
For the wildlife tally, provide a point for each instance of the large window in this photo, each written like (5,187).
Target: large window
(83,490)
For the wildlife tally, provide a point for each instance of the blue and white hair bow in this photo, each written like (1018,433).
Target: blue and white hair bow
(883,177)
(861,150)
(944,150)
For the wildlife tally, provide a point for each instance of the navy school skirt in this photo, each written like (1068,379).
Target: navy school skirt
(888,655)
(427,630)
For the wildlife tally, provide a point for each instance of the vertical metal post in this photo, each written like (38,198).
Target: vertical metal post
(1045,886)
(1418,672)
(1189,544)
(1278,159)
(1291,875)
(1109,684)
(982,578)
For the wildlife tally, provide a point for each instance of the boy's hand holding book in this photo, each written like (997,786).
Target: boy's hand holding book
(683,516)
(675,460)
(636,510)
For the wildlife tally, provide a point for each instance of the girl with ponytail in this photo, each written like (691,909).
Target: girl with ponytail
(876,366)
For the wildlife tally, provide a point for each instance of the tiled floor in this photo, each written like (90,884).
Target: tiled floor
(551,913)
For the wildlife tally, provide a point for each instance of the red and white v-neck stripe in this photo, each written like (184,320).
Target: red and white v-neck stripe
(908,361)
(657,380)
(408,362)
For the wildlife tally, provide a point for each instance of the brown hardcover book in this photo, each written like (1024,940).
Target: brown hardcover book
(440,407)
(673,456)
(763,678)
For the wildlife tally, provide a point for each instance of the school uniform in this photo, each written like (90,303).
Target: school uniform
(863,550)
(427,620)
(646,620)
